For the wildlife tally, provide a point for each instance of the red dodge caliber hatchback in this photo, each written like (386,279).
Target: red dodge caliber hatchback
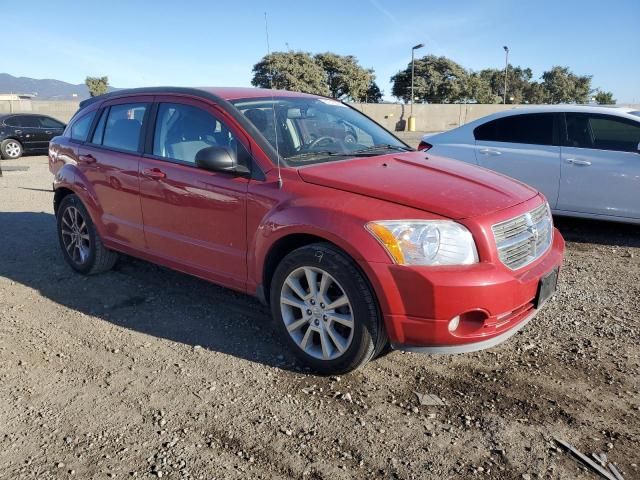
(355,240)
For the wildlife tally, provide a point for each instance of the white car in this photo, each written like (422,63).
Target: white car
(585,160)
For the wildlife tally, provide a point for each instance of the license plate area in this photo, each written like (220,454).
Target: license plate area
(546,288)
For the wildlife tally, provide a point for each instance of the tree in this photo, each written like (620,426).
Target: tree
(518,83)
(97,85)
(344,76)
(478,89)
(604,98)
(436,80)
(295,71)
(373,94)
(562,86)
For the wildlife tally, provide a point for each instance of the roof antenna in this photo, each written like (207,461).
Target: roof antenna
(273,101)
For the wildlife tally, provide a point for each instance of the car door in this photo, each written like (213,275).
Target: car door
(525,147)
(600,165)
(24,130)
(109,159)
(49,128)
(194,219)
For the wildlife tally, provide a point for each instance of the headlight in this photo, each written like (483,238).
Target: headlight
(425,242)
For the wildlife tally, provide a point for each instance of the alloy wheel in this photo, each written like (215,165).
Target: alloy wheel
(317,313)
(75,235)
(12,149)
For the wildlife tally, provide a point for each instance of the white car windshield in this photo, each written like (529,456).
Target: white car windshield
(311,130)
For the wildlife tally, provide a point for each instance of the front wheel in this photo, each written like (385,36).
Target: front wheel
(325,310)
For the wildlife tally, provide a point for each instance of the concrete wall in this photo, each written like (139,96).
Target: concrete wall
(61,109)
(429,118)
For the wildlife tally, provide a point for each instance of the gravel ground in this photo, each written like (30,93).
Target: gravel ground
(144,372)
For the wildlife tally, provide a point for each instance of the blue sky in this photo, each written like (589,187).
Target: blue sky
(213,42)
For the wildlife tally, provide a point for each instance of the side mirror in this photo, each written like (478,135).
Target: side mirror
(219,159)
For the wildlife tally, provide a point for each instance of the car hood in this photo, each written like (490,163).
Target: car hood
(443,186)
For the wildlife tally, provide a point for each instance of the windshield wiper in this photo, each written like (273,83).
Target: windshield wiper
(385,146)
(322,153)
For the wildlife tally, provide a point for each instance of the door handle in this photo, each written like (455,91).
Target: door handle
(18,131)
(87,158)
(577,161)
(490,151)
(154,173)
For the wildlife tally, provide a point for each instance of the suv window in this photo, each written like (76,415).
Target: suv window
(48,122)
(602,132)
(531,128)
(183,130)
(80,128)
(123,126)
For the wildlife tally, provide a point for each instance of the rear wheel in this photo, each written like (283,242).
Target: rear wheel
(81,245)
(325,310)
(11,149)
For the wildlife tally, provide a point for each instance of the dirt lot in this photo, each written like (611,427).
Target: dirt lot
(144,372)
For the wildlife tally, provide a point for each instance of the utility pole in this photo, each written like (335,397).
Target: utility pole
(506,70)
(412,119)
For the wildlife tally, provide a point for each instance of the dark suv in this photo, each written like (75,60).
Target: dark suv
(27,133)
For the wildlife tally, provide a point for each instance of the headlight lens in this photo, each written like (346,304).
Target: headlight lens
(425,242)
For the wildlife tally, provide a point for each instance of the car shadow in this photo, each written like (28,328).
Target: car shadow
(140,296)
(601,232)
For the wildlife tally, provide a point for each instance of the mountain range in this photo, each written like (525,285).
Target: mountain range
(43,89)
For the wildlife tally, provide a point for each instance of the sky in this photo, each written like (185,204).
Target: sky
(216,43)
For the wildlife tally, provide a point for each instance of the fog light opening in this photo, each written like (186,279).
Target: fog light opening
(453,323)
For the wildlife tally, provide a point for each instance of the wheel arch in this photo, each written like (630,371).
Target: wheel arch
(292,241)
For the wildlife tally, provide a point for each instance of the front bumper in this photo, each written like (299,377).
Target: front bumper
(491,301)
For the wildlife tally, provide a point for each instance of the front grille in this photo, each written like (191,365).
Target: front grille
(522,239)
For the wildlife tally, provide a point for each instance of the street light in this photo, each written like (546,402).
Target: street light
(506,69)
(412,120)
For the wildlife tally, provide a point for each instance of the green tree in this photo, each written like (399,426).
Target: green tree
(346,79)
(97,85)
(373,94)
(605,98)
(478,89)
(518,83)
(436,80)
(295,71)
(563,86)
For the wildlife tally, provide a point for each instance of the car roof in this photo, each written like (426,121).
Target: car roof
(522,110)
(216,93)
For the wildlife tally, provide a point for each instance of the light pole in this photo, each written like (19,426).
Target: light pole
(506,69)
(412,119)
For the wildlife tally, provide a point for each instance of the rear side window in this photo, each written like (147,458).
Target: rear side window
(602,132)
(123,126)
(48,122)
(28,121)
(13,122)
(533,128)
(80,128)
(98,133)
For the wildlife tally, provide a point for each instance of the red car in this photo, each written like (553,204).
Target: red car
(355,244)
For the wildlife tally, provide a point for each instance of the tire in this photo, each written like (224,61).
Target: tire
(81,247)
(11,149)
(326,334)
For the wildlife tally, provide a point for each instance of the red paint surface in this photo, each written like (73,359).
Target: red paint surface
(221,227)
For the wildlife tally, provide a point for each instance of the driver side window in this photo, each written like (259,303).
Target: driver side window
(181,131)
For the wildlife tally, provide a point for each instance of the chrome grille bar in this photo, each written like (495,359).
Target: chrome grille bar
(523,239)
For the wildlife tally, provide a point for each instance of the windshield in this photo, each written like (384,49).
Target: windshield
(636,113)
(312,130)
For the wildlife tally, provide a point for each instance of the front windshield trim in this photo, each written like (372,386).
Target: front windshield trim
(322,156)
